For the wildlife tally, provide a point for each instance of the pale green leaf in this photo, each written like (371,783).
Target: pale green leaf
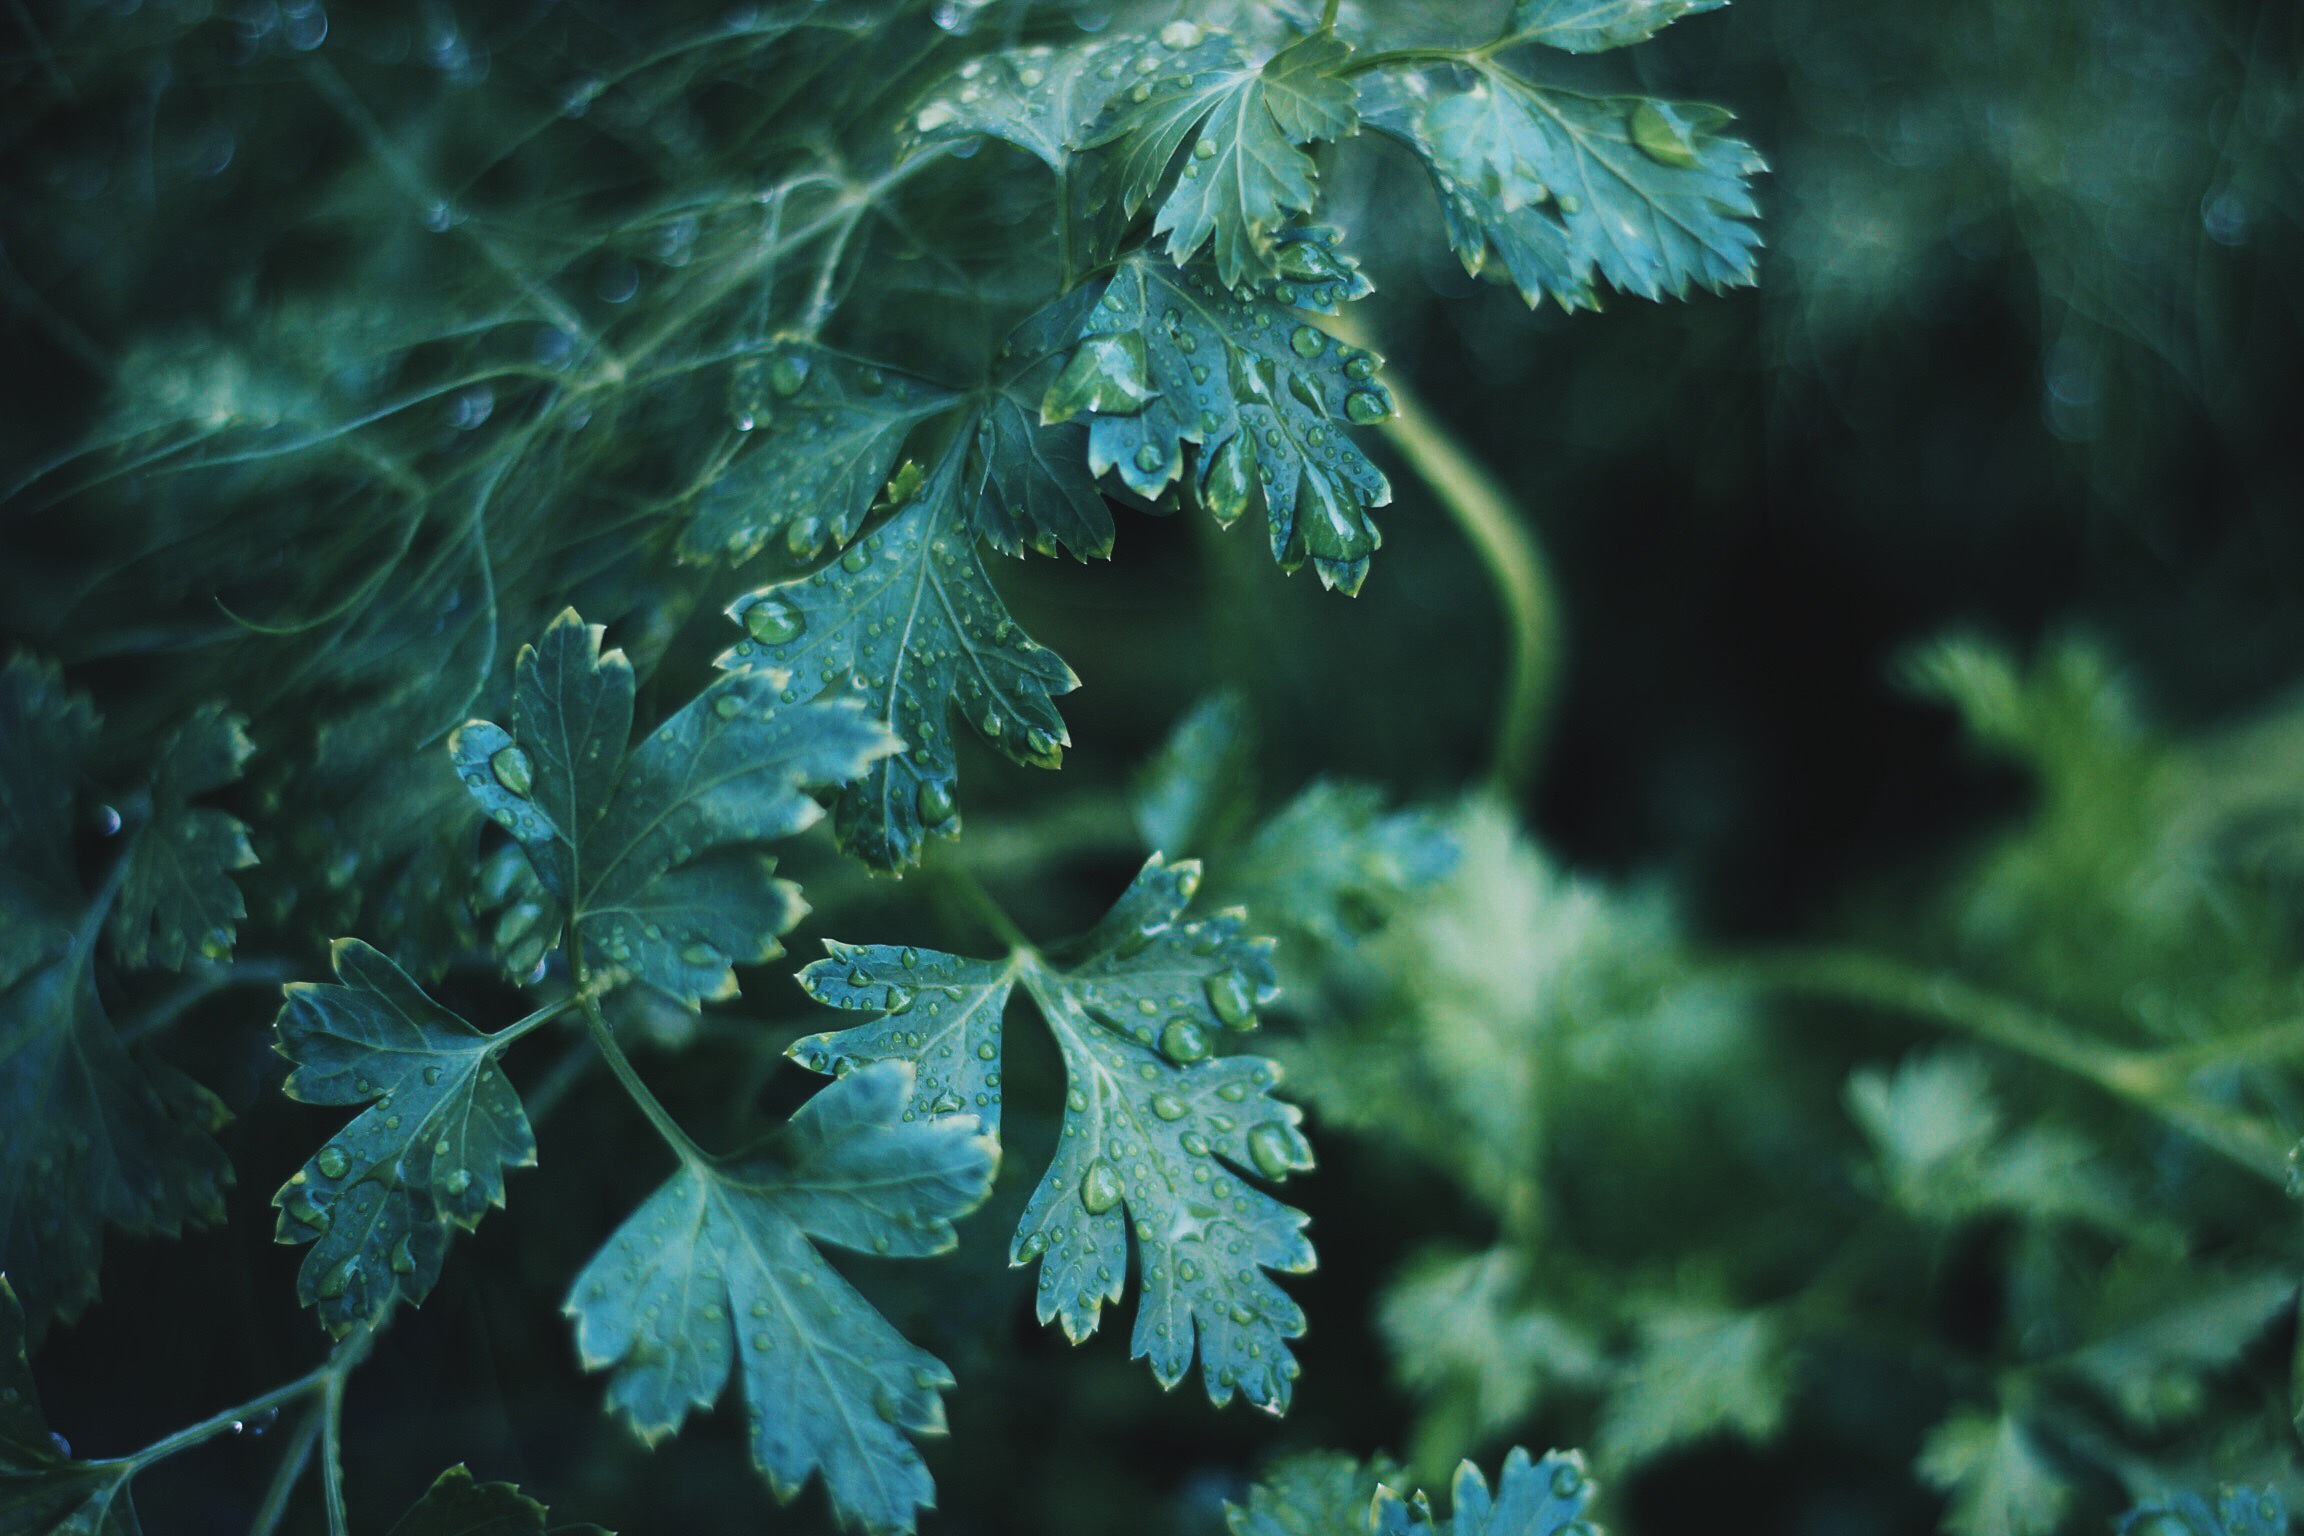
(719,1272)
(1244,173)
(1263,397)
(818,434)
(1459,1329)
(1318,1493)
(1699,1371)
(1566,191)
(430,1153)
(2000,1481)
(1532,1498)
(655,854)
(908,623)
(1590,26)
(1158,1132)
(1195,787)
(178,898)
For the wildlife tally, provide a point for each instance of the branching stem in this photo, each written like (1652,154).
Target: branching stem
(639,1092)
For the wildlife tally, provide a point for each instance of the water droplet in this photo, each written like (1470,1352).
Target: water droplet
(1306,341)
(1180,34)
(1149,459)
(1099,1188)
(1277,1149)
(1168,1107)
(1183,1041)
(947,1103)
(1030,1246)
(935,800)
(513,771)
(1663,134)
(855,559)
(403,1258)
(727,706)
(332,1162)
(458,1182)
(788,374)
(1229,996)
(1365,406)
(773,621)
(1567,1482)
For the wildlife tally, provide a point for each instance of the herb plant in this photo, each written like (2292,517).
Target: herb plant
(583,536)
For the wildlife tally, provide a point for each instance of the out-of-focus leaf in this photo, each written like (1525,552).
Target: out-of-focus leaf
(457,1505)
(43,1491)
(2000,1481)
(2234,1511)
(1192,789)
(178,897)
(1698,1372)
(1458,1329)
(1317,1493)
(719,1271)
(1590,26)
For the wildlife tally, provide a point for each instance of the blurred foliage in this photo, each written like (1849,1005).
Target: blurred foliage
(1850,1090)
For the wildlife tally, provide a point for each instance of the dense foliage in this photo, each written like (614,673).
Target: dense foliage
(543,549)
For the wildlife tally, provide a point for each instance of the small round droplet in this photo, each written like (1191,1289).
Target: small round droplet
(935,803)
(1277,1150)
(513,770)
(1366,407)
(773,621)
(788,374)
(332,1162)
(1099,1188)
(1230,998)
(1567,1481)
(727,706)
(1168,1107)
(1183,1041)
(1149,459)
(1307,341)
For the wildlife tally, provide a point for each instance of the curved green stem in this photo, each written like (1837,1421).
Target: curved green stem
(1515,563)
(2142,1079)
(293,1461)
(332,1455)
(958,879)
(637,1090)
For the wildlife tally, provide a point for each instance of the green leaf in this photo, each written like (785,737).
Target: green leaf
(456,1505)
(1532,1498)
(1038,98)
(1157,1133)
(1591,26)
(1699,1371)
(719,1271)
(430,1153)
(2236,1511)
(655,854)
(1567,190)
(94,1136)
(1264,397)
(1318,1493)
(2160,1327)
(2000,1481)
(1458,1329)
(1195,787)
(179,897)
(909,623)
(43,1491)
(820,433)
(1244,174)
(1334,864)
(1034,489)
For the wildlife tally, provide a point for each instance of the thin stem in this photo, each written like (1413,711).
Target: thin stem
(963,883)
(332,1456)
(1328,15)
(2136,1078)
(639,1092)
(536,1020)
(1515,564)
(293,1461)
(219,1423)
(1391,56)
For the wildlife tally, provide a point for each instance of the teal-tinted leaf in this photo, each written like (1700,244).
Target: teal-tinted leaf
(719,1271)
(1531,1498)
(1038,98)
(2235,1511)
(93,1136)
(942,1014)
(1264,397)
(1157,1130)
(1318,1493)
(1566,190)
(821,432)
(1460,1331)
(178,898)
(43,1491)
(909,623)
(1244,174)
(1333,864)
(1193,789)
(1589,26)
(1698,1372)
(429,1153)
(456,1505)
(2000,1481)
(1034,489)
(655,853)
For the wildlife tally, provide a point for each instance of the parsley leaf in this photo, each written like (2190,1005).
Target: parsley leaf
(1591,26)
(719,1270)
(821,433)
(1038,98)
(1263,395)
(908,621)
(653,854)
(1698,1371)
(178,896)
(1532,1498)
(94,1135)
(1566,189)
(42,1489)
(1313,1494)
(429,1153)
(2236,1511)
(1035,489)
(1156,1131)
(456,1505)
(1245,173)
(2000,1481)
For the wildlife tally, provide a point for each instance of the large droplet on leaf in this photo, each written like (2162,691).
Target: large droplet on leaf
(1099,1188)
